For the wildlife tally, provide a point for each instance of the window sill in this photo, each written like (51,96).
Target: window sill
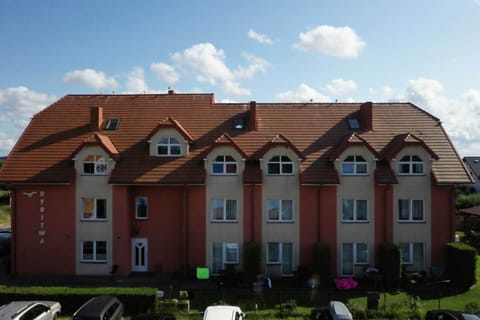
(356,221)
(411,221)
(280,221)
(93,220)
(224,174)
(141,218)
(224,221)
(94,174)
(355,174)
(94,261)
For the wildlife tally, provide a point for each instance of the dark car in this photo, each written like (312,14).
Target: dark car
(5,241)
(100,308)
(450,315)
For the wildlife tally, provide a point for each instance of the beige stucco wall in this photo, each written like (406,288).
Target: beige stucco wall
(167,133)
(283,187)
(224,187)
(359,187)
(91,186)
(418,188)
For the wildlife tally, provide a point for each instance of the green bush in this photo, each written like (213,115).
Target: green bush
(390,265)
(251,260)
(461,264)
(322,260)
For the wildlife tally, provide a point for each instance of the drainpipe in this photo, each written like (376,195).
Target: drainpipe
(185,229)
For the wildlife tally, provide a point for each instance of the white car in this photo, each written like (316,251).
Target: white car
(31,310)
(223,313)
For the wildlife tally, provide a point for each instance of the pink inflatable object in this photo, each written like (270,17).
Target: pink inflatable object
(345,284)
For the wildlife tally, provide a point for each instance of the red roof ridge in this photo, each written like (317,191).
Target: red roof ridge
(401,140)
(170,122)
(280,140)
(224,140)
(100,140)
(348,140)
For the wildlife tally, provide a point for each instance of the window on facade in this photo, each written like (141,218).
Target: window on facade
(224,165)
(353,254)
(412,255)
(279,210)
(223,253)
(410,210)
(353,123)
(280,165)
(95,165)
(112,124)
(354,210)
(94,209)
(94,251)
(141,207)
(169,147)
(354,165)
(410,165)
(224,210)
(281,253)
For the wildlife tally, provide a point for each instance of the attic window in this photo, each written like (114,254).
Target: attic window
(353,123)
(112,124)
(238,123)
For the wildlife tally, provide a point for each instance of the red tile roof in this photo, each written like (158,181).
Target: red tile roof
(42,154)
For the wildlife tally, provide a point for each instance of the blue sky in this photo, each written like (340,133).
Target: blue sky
(422,51)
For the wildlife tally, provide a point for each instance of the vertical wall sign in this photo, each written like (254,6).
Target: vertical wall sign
(42,232)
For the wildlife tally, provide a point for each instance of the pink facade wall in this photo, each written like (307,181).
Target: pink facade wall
(443,222)
(44,230)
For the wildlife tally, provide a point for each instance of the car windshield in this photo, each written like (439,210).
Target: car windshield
(470,316)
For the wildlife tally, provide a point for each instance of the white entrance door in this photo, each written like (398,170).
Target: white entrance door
(139,255)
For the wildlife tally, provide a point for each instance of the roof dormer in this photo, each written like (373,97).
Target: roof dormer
(401,141)
(169,139)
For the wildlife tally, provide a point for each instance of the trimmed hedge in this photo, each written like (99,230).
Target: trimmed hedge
(390,264)
(461,264)
(135,300)
(322,261)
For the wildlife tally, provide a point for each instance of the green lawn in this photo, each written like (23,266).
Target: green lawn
(4,214)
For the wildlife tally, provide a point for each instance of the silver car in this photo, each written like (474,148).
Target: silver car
(31,310)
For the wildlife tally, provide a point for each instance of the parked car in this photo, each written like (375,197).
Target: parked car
(223,313)
(100,308)
(31,310)
(336,311)
(450,315)
(5,241)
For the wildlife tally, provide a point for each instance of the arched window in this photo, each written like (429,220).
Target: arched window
(355,165)
(410,165)
(280,165)
(169,147)
(224,165)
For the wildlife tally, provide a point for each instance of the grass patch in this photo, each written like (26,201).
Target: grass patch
(5,214)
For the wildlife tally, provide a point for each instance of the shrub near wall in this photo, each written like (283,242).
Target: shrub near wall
(461,263)
(390,265)
(251,260)
(322,261)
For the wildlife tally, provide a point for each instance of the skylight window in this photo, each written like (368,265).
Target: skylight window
(112,124)
(353,123)
(238,123)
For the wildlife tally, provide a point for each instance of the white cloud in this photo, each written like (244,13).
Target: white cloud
(91,78)
(340,42)
(17,106)
(340,86)
(136,82)
(262,38)
(388,91)
(208,65)
(303,93)
(459,116)
(165,72)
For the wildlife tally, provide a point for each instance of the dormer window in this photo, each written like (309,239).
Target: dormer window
(224,165)
(355,165)
(353,124)
(410,165)
(280,165)
(169,147)
(112,124)
(95,165)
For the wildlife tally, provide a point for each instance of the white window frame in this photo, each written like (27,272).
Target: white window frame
(224,206)
(281,204)
(280,259)
(170,144)
(411,163)
(94,216)
(410,210)
(95,244)
(283,160)
(411,253)
(355,252)
(137,203)
(99,163)
(225,163)
(355,204)
(225,256)
(357,161)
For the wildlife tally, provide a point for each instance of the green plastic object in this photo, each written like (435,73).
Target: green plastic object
(203,273)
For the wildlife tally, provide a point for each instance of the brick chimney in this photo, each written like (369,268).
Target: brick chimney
(96,118)
(253,121)
(366,116)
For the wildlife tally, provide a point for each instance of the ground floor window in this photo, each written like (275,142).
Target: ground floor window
(412,255)
(353,254)
(281,253)
(223,253)
(94,251)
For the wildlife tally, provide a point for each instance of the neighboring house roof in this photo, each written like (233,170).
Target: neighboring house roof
(312,130)
(473,164)
(475,211)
